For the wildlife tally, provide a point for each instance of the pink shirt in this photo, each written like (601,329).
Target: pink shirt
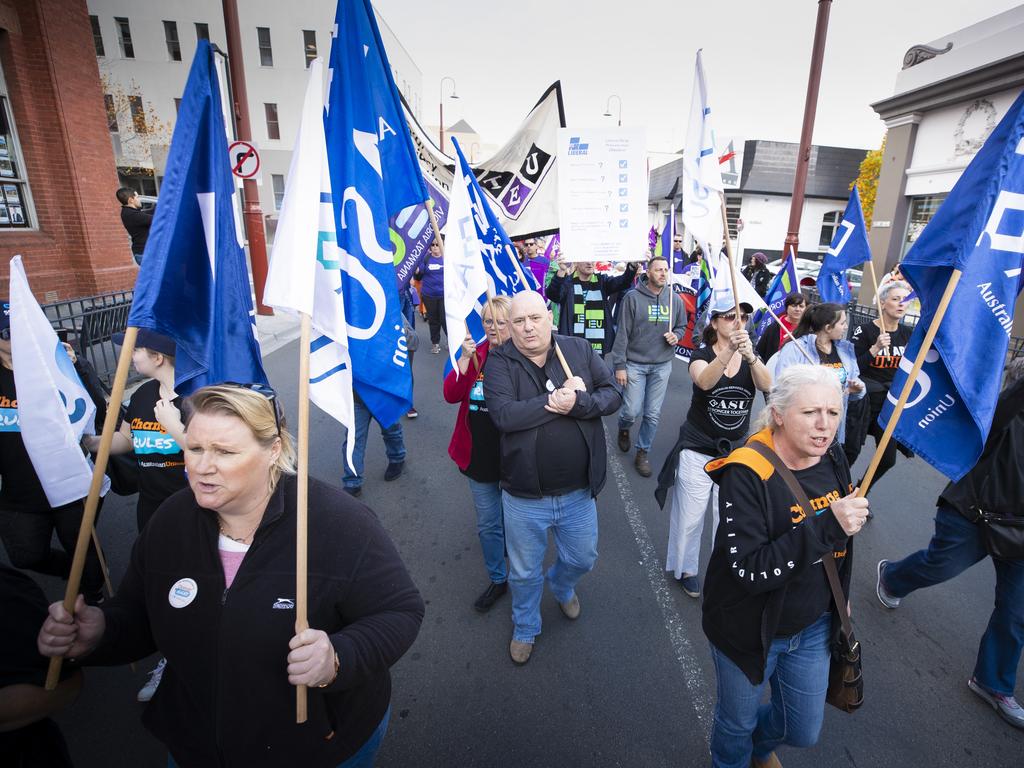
(231,555)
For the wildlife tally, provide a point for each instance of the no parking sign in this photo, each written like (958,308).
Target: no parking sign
(245,160)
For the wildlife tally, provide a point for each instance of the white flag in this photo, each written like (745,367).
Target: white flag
(465,278)
(722,286)
(305,264)
(54,409)
(702,177)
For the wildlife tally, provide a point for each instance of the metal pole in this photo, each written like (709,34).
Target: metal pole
(253,215)
(440,131)
(810,108)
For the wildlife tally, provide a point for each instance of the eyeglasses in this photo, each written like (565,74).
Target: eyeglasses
(267,392)
(731,317)
(490,322)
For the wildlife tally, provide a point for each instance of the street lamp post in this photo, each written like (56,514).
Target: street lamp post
(440,103)
(608,107)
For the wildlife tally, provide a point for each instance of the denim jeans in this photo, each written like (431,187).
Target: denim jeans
(490,527)
(645,391)
(394,445)
(573,519)
(954,548)
(797,670)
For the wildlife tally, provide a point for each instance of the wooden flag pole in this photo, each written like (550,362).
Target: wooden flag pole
(103,562)
(878,299)
(561,359)
(93,499)
(789,334)
(926,346)
(302,505)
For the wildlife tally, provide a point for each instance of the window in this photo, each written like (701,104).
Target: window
(202,31)
(177,107)
(171,36)
(277,180)
(921,211)
(124,37)
(273,128)
(266,52)
(115,132)
(15,203)
(138,114)
(829,224)
(732,214)
(97,35)
(309,45)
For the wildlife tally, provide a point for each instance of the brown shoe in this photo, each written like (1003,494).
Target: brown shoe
(571,608)
(643,466)
(520,652)
(624,440)
(769,762)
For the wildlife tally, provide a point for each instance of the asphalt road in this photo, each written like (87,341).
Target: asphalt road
(631,682)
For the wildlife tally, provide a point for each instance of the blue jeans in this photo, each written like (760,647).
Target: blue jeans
(573,518)
(406,307)
(645,390)
(394,445)
(954,548)
(797,670)
(490,526)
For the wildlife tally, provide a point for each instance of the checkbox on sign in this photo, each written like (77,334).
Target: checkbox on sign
(623,163)
(623,191)
(623,178)
(623,223)
(623,207)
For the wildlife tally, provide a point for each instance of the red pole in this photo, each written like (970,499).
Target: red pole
(252,215)
(810,108)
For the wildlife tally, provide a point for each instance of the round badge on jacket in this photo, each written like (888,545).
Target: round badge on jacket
(182,593)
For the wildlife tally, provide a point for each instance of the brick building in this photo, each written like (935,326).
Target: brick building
(57,171)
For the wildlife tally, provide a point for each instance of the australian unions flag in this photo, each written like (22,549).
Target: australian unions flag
(978,231)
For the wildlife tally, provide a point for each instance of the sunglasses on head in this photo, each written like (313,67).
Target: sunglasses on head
(267,392)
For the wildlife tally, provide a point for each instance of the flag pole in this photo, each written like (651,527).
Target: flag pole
(92,500)
(302,505)
(878,299)
(561,359)
(728,254)
(926,346)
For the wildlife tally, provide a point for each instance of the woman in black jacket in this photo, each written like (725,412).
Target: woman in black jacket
(768,609)
(211,585)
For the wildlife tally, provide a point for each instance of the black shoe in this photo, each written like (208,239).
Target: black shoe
(354,490)
(624,440)
(394,470)
(486,601)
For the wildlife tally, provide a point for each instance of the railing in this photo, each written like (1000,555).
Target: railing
(89,323)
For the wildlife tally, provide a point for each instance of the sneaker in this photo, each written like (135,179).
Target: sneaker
(1006,706)
(884,597)
(147,691)
(624,440)
(412,413)
(436,349)
(486,601)
(571,608)
(354,490)
(690,585)
(642,463)
(520,652)
(394,470)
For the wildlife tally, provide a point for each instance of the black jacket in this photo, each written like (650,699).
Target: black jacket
(559,290)
(516,396)
(224,699)
(137,222)
(996,483)
(760,278)
(758,549)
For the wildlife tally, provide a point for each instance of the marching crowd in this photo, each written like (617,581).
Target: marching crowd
(215,474)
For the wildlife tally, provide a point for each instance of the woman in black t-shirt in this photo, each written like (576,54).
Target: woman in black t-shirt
(475,445)
(725,373)
(879,346)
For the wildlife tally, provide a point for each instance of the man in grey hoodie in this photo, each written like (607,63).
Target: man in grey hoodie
(651,322)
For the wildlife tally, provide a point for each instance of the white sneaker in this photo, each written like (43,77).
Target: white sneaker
(147,691)
(1006,706)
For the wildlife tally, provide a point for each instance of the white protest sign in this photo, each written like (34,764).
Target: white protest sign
(602,194)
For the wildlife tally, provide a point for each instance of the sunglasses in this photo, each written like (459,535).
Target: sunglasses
(731,317)
(267,392)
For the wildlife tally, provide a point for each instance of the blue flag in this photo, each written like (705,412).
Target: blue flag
(194,283)
(783,285)
(374,175)
(848,249)
(979,230)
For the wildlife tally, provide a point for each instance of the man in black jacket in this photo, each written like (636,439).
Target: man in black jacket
(995,485)
(553,459)
(135,220)
(586,302)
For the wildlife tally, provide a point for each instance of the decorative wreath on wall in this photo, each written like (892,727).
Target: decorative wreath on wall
(973,128)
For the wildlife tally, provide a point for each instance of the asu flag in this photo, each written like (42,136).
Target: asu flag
(979,230)
(374,175)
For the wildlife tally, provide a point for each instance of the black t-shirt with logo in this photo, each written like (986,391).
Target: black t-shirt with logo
(160,459)
(484,458)
(808,595)
(20,488)
(879,369)
(563,459)
(721,413)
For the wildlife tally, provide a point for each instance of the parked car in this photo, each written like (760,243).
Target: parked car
(807,273)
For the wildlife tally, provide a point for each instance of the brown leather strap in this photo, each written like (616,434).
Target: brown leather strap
(828,560)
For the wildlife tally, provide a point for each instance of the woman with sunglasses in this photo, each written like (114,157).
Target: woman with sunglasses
(211,586)
(725,373)
(475,446)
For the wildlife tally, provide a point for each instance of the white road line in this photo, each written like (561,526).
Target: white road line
(700,695)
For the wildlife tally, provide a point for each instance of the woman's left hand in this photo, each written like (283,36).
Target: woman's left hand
(311,661)
(855,385)
(71,352)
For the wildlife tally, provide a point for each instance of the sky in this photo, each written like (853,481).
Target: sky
(503,55)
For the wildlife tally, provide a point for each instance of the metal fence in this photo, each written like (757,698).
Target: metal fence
(89,323)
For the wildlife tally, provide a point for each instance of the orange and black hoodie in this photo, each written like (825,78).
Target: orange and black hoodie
(764,540)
